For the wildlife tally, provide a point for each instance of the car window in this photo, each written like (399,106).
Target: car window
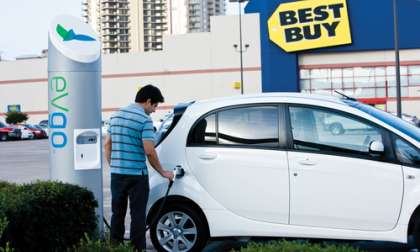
(164,127)
(325,130)
(407,153)
(204,131)
(256,126)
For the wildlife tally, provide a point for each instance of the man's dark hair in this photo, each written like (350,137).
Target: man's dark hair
(149,92)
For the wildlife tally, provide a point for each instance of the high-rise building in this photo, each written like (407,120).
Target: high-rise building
(139,25)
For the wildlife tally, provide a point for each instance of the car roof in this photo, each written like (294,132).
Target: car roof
(271,97)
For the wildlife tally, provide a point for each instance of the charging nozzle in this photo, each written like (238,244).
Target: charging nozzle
(178,172)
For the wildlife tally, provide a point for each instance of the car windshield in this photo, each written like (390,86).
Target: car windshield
(164,127)
(399,124)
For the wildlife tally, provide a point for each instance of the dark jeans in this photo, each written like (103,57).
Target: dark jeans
(135,188)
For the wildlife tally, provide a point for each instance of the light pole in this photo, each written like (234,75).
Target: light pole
(241,49)
(397,58)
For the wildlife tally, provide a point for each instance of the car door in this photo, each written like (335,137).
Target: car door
(335,182)
(234,154)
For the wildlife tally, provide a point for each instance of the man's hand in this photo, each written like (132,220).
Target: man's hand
(167,174)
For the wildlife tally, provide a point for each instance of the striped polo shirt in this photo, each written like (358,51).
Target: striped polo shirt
(128,128)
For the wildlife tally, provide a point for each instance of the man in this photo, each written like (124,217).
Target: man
(130,140)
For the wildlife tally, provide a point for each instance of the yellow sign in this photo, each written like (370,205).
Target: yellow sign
(237,85)
(310,24)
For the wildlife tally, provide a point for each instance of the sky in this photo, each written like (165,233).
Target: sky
(24,24)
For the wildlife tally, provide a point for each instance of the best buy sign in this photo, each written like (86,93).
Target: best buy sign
(310,24)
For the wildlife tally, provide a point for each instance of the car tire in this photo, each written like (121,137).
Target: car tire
(3,137)
(188,233)
(416,233)
(336,129)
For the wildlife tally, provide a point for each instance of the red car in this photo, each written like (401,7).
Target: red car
(8,132)
(38,132)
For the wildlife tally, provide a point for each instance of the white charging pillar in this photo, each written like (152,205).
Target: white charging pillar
(74,94)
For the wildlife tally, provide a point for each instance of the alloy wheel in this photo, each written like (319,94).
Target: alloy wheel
(176,231)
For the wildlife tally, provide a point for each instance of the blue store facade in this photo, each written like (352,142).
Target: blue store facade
(371,25)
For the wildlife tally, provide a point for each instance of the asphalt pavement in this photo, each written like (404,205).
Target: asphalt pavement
(26,161)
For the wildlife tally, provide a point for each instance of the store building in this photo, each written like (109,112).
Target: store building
(357,58)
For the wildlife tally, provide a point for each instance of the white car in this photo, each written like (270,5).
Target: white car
(26,132)
(266,165)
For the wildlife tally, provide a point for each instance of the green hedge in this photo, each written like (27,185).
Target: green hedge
(46,216)
(88,245)
(295,246)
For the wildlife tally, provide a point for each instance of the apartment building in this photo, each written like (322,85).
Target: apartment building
(139,25)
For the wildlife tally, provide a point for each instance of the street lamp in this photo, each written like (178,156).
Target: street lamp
(397,58)
(241,49)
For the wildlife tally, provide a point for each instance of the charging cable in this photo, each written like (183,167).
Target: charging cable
(178,173)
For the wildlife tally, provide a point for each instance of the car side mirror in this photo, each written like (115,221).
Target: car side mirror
(376,147)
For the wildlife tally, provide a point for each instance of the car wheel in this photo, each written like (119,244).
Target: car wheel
(416,233)
(336,129)
(3,137)
(179,228)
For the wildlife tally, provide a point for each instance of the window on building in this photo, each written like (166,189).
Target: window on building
(360,82)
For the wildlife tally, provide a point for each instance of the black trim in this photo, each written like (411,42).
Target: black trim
(283,137)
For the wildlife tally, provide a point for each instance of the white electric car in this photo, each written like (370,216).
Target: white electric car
(267,165)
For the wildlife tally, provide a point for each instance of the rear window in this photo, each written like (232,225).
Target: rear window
(170,121)
(164,127)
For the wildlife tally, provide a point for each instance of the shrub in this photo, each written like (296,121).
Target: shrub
(16,117)
(47,216)
(295,246)
(4,185)
(88,245)
(3,223)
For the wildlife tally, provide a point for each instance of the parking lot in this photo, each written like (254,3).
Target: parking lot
(26,161)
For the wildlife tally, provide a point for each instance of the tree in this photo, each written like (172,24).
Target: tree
(16,117)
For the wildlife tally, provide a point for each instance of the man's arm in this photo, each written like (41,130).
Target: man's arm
(108,148)
(149,150)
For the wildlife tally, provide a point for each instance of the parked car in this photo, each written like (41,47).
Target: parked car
(26,132)
(266,165)
(9,132)
(43,123)
(38,131)
(44,127)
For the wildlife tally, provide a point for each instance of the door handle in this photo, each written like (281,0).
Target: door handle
(307,162)
(208,156)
